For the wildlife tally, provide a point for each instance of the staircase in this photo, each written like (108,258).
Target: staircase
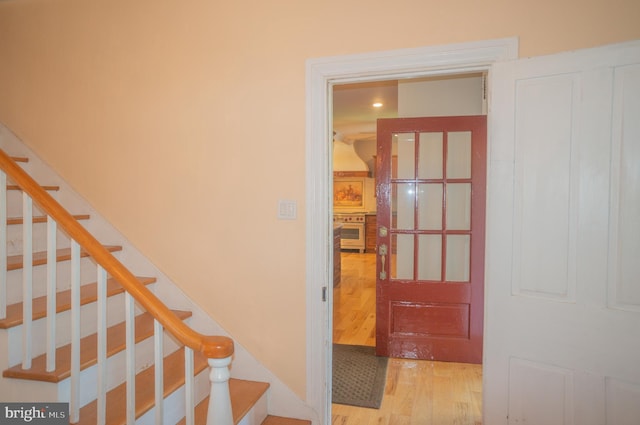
(95,335)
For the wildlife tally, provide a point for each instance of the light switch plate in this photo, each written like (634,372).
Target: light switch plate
(287,210)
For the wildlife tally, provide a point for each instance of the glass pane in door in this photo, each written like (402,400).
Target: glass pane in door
(459,155)
(401,257)
(430,257)
(430,156)
(458,206)
(458,260)
(403,205)
(430,206)
(405,151)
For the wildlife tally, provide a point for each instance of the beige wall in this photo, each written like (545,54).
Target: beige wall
(183,123)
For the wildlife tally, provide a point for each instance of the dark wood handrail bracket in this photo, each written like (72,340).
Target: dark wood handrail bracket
(211,346)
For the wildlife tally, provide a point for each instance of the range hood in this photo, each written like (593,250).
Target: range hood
(346,162)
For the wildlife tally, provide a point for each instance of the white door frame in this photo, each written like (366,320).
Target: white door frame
(321,75)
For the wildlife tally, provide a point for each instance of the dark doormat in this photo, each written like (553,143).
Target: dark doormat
(359,376)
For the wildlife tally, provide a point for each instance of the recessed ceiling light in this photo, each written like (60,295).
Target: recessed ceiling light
(377,105)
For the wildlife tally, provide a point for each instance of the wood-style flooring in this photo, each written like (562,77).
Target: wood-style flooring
(417,392)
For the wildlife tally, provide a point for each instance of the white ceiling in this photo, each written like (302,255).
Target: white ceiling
(354,117)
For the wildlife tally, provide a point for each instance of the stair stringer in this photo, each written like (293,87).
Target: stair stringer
(282,401)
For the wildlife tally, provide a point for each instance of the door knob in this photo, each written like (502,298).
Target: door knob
(382,251)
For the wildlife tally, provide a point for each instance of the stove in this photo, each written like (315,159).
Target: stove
(348,217)
(352,235)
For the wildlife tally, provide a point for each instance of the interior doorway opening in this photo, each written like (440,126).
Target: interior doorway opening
(322,75)
(355,109)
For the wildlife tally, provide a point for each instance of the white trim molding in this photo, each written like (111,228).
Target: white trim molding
(321,75)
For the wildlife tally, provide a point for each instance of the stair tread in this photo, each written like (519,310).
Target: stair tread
(43,219)
(88,294)
(279,420)
(145,397)
(14,262)
(244,394)
(116,340)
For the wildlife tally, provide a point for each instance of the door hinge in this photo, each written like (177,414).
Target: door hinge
(324,294)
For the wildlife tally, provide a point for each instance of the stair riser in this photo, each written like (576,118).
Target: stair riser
(14,203)
(257,414)
(21,390)
(174,409)
(117,367)
(88,325)
(4,360)
(38,239)
(88,274)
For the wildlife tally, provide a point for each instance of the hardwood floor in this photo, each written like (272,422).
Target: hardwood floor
(354,301)
(417,392)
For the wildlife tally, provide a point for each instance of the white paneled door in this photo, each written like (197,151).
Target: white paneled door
(562,338)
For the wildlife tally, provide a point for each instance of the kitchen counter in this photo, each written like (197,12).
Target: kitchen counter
(337,263)
(370,238)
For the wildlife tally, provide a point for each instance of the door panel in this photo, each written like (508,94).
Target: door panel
(562,346)
(431,199)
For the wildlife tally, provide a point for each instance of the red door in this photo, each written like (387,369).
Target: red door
(431,177)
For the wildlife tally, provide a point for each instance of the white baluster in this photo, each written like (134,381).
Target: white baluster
(159,370)
(102,346)
(27,279)
(189,404)
(74,408)
(3,245)
(219,411)
(131,358)
(51,294)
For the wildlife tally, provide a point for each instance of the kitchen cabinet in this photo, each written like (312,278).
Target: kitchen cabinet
(370,233)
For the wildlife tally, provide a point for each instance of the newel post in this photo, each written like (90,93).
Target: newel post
(219,412)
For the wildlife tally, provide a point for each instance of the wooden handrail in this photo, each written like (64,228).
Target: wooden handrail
(212,346)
